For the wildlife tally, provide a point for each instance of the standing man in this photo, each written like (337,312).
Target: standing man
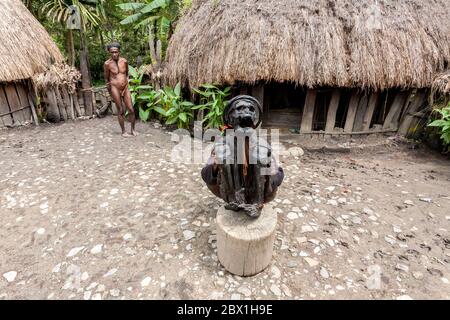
(116,78)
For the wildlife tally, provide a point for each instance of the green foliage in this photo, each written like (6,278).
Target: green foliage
(91,11)
(171,106)
(134,83)
(143,96)
(155,15)
(443,125)
(212,100)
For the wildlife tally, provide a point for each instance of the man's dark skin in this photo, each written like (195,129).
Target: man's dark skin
(116,78)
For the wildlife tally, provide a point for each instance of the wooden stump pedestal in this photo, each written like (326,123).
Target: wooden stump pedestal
(245,245)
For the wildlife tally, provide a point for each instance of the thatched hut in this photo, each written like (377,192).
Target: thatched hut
(26,49)
(347,66)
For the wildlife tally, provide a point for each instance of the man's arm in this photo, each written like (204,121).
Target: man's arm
(126,65)
(106,75)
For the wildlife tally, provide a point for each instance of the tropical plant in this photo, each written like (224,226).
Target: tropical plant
(147,99)
(213,101)
(443,125)
(171,106)
(143,96)
(135,77)
(91,12)
(155,17)
(151,12)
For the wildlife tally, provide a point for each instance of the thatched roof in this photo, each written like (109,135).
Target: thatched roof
(25,46)
(346,43)
(59,74)
(441,85)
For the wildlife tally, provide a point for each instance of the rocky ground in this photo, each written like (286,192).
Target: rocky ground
(87,214)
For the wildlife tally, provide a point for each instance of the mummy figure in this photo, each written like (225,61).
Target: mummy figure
(242,169)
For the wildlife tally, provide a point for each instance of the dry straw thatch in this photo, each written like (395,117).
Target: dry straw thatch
(440,91)
(25,46)
(58,75)
(347,43)
(441,85)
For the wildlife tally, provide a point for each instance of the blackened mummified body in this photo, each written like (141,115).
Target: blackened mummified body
(242,170)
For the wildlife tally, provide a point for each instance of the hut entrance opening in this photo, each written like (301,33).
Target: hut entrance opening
(283,105)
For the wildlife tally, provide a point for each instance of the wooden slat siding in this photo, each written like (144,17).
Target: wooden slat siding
(14,104)
(373,99)
(258,93)
(401,111)
(308,111)
(68,103)
(243,90)
(351,113)
(76,104)
(24,102)
(332,111)
(61,105)
(391,120)
(33,109)
(52,109)
(81,102)
(4,108)
(418,101)
(360,113)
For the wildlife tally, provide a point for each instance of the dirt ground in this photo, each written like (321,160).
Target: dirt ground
(87,214)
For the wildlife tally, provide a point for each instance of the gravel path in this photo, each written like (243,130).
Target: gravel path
(87,214)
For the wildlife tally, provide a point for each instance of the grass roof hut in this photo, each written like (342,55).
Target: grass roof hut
(347,66)
(26,49)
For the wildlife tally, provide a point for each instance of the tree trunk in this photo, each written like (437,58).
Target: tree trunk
(86,83)
(70,48)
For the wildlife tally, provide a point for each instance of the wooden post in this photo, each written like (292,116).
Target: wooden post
(68,102)
(360,113)
(258,93)
(419,100)
(391,121)
(33,110)
(61,105)
(76,103)
(370,110)
(244,244)
(4,109)
(351,113)
(81,103)
(308,111)
(332,110)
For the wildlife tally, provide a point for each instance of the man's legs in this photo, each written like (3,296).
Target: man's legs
(118,101)
(131,114)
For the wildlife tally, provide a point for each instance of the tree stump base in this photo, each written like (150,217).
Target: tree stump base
(244,244)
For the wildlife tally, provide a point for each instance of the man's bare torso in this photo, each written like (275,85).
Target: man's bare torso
(118,73)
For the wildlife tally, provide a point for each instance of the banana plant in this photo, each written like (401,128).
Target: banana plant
(156,16)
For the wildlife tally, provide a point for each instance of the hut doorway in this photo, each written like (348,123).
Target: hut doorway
(283,104)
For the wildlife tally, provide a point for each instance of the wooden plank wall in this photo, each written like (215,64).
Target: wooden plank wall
(15,106)
(358,110)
